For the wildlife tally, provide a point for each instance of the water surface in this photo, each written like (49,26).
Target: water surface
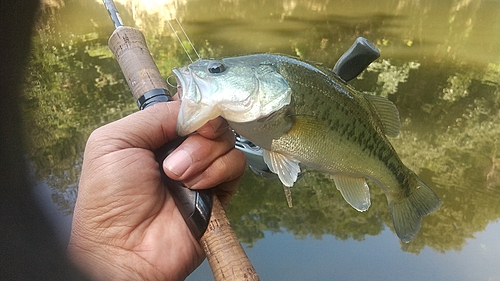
(440,65)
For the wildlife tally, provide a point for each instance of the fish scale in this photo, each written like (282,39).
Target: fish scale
(341,113)
(302,112)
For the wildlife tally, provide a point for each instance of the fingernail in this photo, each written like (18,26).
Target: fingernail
(214,129)
(178,162)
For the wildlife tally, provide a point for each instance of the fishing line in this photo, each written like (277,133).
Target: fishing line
(185,35)
(180,41)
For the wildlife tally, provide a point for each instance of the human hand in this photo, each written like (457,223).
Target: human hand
(125,224)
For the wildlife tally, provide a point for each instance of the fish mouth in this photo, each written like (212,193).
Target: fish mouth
(193,113)
(181,84)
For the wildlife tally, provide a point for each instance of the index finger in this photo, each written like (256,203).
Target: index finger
(149,129)
(213,128)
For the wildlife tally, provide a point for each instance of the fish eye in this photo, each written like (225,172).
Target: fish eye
(216,67)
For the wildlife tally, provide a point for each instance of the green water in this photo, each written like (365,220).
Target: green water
(440,65)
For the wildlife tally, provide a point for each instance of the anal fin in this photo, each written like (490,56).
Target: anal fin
(354,190)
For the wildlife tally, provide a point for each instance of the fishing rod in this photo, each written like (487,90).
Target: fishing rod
(148,87)
(201,210)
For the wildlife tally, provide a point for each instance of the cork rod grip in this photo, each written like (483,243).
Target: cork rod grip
(224,252)
(130,49)
(222,248)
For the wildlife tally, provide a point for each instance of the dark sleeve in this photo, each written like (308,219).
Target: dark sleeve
(28,248)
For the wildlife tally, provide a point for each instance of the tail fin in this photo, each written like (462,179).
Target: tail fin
(407,211)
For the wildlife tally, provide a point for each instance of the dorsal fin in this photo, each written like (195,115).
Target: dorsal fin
(388,114)
(354,190)
(285,167)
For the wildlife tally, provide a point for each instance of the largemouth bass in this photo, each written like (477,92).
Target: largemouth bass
(301,112)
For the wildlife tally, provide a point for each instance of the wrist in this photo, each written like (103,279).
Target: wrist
(100,262)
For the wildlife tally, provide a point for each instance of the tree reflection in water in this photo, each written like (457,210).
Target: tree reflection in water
(439,65)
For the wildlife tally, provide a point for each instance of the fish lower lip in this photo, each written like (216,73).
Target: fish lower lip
(179,80)
(179,89)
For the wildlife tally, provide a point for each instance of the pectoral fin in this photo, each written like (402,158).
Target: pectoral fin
(285,167)
(354,190)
